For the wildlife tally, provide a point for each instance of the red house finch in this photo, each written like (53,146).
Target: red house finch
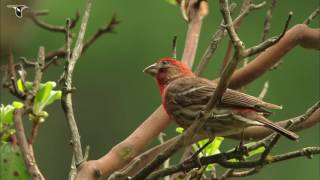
(184,95)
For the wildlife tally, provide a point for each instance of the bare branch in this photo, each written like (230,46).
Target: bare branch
(269,42)
(312,16)
(67,84)
(34,17)
(245,173)
(11,81)
(264,90)
(246,8)
(174,46)
(298,35)
(223,158)
(213,45)
(109,28)
(267,21)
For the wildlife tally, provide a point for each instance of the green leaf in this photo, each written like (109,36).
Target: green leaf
(20,85)
(45,96)
(44,92)
(54,95)
(17,105)
(7,134)
(6,114)
(28,85)
(172,2)
(215,145)
(179,130)
(257,151)
(12,165)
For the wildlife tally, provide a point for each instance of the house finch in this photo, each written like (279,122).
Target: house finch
(184,95)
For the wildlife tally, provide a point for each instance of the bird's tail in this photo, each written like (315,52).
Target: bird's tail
(289,134)
(271,106)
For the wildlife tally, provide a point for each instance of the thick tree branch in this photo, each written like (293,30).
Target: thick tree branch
(298,35)
(196,10)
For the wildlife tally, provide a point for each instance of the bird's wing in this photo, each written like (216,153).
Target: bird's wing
(198,91)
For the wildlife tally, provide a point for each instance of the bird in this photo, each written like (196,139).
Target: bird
(18,9)
(184,95)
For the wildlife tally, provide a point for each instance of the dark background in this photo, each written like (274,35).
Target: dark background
(113,96)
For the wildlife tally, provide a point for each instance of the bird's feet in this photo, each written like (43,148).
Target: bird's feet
(194,156)
(242,149)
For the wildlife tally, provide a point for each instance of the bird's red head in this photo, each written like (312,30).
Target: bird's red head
(166,70)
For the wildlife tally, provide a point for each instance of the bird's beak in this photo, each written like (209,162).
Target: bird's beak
(152,69)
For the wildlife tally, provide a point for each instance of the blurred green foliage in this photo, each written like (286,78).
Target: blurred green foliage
(113,96)
(12,166)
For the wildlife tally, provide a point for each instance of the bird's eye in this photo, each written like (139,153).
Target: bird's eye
(164,63)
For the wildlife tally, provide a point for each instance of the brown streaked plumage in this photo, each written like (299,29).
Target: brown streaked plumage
(184,95)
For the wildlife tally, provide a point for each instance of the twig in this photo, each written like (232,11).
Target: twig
(223,157)
(218,35)
(12,79)
(269,42)
(308,152)
(213,45)
(26,148)
(243,173)
(36,85)
(275,66)
(50,27)
(267,21)
(27,154)
(226,174)
(109,28)
(67,84)
(246,8)
(166,164)
(174,46)
(51,61)
(34,132)
(298,35)
(264,91)
(312,16)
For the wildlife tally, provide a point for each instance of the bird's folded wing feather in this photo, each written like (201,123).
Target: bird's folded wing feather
(188,91)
